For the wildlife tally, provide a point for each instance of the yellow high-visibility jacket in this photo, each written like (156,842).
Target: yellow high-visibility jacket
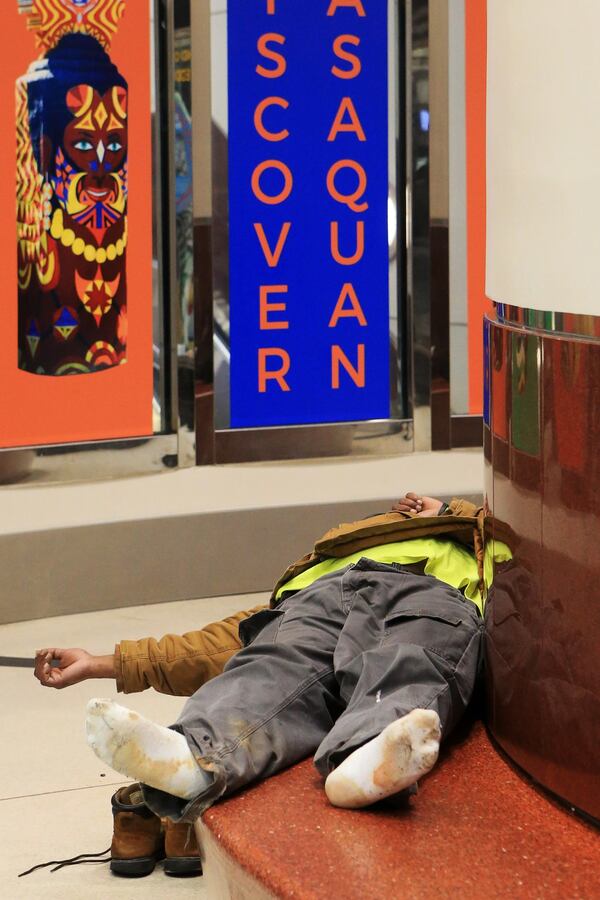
(179,664)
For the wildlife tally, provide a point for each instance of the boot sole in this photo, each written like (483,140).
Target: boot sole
(183,865)
(133,868)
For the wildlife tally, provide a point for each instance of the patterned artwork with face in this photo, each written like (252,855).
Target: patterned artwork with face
(72,190)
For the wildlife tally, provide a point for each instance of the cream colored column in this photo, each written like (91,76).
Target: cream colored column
(543,154)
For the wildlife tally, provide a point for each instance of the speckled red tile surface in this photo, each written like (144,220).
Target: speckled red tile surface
(475,830)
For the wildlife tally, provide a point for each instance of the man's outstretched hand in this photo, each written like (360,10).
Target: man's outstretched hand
(420,506)
(71,667)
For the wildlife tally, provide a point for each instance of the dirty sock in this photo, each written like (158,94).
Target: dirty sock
(403,752)
(150,753)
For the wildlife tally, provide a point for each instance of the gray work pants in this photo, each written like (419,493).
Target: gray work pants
(326,671)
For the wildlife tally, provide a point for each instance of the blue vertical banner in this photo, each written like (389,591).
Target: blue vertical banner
(308,193)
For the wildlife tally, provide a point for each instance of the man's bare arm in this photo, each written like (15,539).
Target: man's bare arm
(176,664)
(71,666)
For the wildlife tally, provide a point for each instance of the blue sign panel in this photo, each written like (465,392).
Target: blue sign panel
(308,189)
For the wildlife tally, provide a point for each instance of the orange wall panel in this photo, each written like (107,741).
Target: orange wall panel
(475,95)
(116,402)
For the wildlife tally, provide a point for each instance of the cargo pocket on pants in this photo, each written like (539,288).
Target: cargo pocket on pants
(266,622)
(444,633)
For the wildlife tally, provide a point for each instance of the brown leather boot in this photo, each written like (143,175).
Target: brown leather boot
(182,854)
(137,834)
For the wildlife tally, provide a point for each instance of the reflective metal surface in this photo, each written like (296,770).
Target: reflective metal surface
(88,462)
(383,438)
(435,227)
(418,237)
(543,621)
(439,211)
(180,222)
(557,323)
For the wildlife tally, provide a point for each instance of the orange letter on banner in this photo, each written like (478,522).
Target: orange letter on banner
(354,311)
(265,307)
(287,186)
(277,375)
(360,244)
(339,51)
(348,199)
(258,122)
(354,4)
(270,7)
(357,375)
(272,256)
(347,106)
(265,51)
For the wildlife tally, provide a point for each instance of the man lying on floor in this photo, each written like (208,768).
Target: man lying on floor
(367,655)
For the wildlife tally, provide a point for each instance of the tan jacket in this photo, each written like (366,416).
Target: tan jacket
(179,664)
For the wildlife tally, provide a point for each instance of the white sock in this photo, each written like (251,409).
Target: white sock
(391,762)
(150,753)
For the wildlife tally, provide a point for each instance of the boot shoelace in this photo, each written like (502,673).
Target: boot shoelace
(73,861)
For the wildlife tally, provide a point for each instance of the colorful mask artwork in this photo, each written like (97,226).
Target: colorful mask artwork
(72,109)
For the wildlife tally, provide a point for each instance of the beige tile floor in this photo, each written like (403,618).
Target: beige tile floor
(54,793)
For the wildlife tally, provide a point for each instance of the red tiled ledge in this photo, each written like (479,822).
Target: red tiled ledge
(475,830)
